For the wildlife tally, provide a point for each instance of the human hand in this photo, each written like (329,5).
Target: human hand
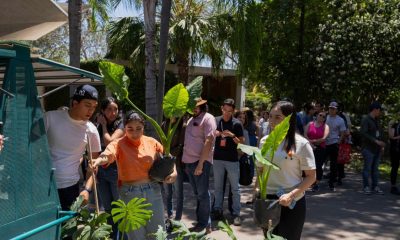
(85,194)
(171,178)
(100,119)
(286,199)
(199,169)
(227,133)
(380,143)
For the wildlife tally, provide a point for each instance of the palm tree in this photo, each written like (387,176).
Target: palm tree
(75,28)
(188,28)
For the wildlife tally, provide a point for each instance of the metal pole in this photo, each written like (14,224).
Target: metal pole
(46,226)
(89,149)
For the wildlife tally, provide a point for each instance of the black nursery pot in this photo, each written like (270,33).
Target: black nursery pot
(262,214)
(162,167)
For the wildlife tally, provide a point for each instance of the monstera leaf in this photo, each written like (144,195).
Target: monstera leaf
(176,101)
(131,216)
(115,79)
(194,88)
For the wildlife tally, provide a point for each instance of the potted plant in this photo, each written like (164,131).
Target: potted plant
(266,211)
(177,101)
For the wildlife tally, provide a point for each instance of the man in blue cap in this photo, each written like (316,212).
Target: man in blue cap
(68,132)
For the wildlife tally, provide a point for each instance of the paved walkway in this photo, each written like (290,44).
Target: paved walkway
(344,214)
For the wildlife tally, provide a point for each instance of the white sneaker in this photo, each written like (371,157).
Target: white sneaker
(367,191)
(378,191)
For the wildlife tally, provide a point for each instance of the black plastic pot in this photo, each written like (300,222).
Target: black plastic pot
(162,167)
(262,214)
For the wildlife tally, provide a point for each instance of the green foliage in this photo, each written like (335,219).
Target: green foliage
(258,100)
(224,226)
(115,78)
(176,101)
(182,232)
(131,216)
(358,49)
(86,225)
(265,156)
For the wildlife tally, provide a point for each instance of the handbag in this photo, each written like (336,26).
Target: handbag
(246,166)
(344,153)
(162,167)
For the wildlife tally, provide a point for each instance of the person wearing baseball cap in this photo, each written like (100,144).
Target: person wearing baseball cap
(68,132)
(337,131)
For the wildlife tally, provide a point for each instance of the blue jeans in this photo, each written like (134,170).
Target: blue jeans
(107,185)
(232,168)
(152,193)
(176,187)
(371,166)
(200,185)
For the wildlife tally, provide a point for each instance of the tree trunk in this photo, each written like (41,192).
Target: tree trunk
(75,28)
(149,11)
(182,60)
(164,28)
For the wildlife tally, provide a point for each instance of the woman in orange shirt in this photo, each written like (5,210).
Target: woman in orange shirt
(134,154)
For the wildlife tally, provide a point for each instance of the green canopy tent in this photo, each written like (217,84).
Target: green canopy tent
(28,196)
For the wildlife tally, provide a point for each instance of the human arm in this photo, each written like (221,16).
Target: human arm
(204,154)
(367,136)
(287,198)
(85,193)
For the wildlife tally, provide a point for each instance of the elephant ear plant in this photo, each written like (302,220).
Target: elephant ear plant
(265,211)
(177,101)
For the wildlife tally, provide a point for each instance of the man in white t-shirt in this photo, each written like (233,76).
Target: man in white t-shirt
(68,132)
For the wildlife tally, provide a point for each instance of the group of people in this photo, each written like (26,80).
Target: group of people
(122,157)
(203,145)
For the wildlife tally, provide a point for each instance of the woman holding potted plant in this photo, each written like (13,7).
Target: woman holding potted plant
(135,154)
(293,156)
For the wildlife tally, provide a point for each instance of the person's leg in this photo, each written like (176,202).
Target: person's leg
(292,220)
(152,193)
(219,170)
(368,159)
(394,162)
(375,169)
(319,154)
(340,172)
(190,167)
(169,191)
(68,195)
(203,196)
(332,152)
(179,194)
(233,176)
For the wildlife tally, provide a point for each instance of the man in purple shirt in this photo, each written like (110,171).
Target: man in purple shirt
(198,157)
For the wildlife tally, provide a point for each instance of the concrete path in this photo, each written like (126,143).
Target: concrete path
(344,214)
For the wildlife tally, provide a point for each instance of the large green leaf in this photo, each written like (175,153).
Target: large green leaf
(176,101)
(131,216)
(115,79)
(194,88)
(276,137)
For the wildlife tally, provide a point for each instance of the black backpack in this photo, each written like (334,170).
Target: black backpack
(246,170)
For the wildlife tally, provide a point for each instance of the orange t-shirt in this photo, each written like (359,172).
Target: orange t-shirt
(134,157)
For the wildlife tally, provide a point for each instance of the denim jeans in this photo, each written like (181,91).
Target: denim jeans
(107,185)
(371,167)
(169,190)
(200,185)
(152,193)
(232,168)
